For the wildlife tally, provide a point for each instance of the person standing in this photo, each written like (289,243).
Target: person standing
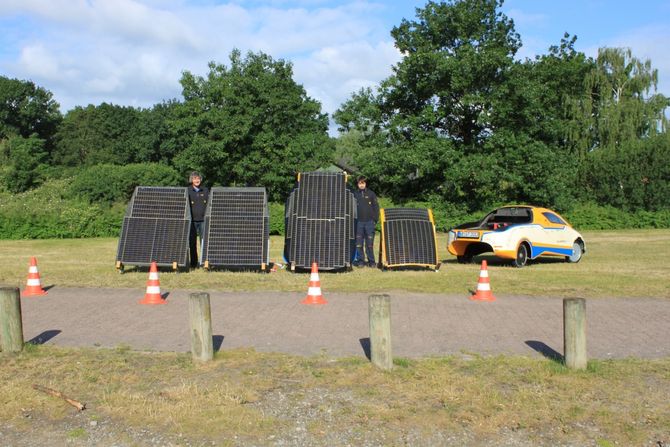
(367,209)
(197,197)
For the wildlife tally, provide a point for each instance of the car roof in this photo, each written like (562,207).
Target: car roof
(531,207)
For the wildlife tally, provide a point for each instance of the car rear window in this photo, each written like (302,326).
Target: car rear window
(553,218)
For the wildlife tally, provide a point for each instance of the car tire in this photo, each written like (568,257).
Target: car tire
(465,259)
(577,253)
(521,258)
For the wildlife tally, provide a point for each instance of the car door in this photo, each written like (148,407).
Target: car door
(554,234)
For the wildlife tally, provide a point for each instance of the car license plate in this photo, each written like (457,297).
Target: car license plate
(467,235)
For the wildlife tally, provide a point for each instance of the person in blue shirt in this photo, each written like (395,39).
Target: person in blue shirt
(367,209)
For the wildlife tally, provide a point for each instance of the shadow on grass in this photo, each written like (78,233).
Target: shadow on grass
(545,350)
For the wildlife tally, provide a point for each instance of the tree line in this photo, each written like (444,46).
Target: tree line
(460,124)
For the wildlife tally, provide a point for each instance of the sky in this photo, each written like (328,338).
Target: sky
(133,52)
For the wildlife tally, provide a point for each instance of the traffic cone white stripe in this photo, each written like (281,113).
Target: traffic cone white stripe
(314,288)
(153,293)
(483,291)
(33,284)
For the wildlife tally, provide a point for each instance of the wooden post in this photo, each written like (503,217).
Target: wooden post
(379,307)
(202,343)
(574,333)
(11,326)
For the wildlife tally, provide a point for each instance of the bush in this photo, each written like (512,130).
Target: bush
(46,212)
(106,184)
(276,218)
(590,216)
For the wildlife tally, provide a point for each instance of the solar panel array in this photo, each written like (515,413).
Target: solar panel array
(156,227)
(237,228)
(408,238)
(320,215)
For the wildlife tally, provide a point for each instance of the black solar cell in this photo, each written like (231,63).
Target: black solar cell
(408,238)
(156,228)
(319,222)
(237,228)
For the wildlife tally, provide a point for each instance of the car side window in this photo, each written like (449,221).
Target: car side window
(553,218)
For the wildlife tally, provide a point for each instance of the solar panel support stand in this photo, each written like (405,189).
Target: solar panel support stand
(119,266)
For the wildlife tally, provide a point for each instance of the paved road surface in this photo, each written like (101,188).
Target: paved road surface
(422,325)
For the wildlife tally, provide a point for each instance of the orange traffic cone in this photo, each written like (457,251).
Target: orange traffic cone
(153,294)
(33,284)
(483,292)
(314,291)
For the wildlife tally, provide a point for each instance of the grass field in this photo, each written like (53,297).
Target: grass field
(627,263)
(249,398)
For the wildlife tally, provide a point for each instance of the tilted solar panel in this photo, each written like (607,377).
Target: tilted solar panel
(407,213)
(155,228)
(408,238)
(237,228)
(319,222)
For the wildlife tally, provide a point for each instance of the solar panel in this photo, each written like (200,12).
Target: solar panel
(408,238)
(319,222)
(155,228)
(237,228)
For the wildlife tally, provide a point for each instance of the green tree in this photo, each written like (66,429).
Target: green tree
(619,103)
(455,55)
(27,110)
(417,134)
(109,134)
(632,176)
(249,123)
(535,95)
(23,162)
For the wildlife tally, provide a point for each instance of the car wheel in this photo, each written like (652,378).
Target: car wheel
(465,259)
(577,252)
(521,256)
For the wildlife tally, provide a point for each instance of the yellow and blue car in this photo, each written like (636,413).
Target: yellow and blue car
(518,233)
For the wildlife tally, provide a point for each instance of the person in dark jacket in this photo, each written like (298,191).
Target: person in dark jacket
(197,197)
(367,209)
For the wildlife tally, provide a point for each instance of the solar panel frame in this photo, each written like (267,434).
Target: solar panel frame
(320,222)
(156,227)
(237,228)
(408,238)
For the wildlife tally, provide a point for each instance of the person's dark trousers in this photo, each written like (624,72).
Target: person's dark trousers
(365,236)
(196,230)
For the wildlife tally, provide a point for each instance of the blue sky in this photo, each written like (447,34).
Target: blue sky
(132,52)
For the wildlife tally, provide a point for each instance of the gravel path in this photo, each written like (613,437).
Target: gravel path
(422,325)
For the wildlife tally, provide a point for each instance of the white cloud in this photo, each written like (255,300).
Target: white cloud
(333,73)
(134,51)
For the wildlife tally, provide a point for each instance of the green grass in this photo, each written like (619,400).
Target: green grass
(255,398)
(252,396)
(627,263)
